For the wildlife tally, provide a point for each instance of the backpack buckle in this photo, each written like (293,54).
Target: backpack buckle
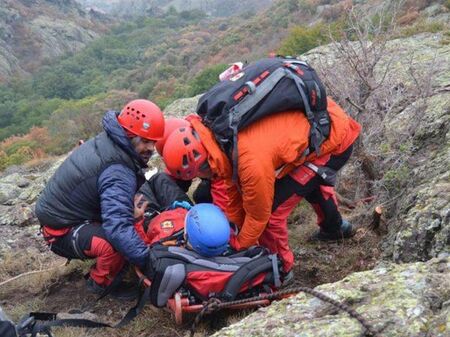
(251,87)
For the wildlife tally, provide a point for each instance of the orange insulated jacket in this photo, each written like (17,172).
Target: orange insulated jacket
(269,149)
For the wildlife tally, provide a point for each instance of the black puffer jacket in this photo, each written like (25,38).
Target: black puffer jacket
(98,182)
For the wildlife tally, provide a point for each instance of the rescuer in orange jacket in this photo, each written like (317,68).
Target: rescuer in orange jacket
(209,190)
(273,176)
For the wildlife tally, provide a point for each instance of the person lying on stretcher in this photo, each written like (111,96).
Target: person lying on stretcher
(169,211)
(190,253)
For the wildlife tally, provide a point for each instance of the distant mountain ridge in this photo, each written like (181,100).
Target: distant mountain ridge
(34,31)
(218,8)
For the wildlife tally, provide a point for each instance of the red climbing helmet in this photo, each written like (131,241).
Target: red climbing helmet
(142,118)
(184,153)
(170,125)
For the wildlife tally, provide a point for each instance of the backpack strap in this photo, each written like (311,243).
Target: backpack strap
(276,270)
(318,119)
(249,271)
(327,174)
(255,95)
(41,322)
(316,134)
(167,272)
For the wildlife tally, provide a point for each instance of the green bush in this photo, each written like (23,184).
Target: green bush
(18,145)
(3,161)
(206,79)
(231,39)
(396,179)
(22,154)
(146,87)
(302,39)
(422,26)
(18,116)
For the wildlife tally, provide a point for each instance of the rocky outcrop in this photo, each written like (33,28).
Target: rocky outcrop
(397,300)
(32,32)
(182,107)
(422,227)
(423,230)
(19,192)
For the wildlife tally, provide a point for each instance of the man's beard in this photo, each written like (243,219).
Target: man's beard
(145,156)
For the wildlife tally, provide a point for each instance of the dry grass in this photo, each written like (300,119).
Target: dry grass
(317,262)
(17,263)
(62,289)
(151,322)
(27,293)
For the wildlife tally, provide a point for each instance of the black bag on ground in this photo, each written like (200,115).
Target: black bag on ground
(262,88)
(7,328)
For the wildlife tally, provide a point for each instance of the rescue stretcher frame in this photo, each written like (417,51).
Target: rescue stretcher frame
(179,305)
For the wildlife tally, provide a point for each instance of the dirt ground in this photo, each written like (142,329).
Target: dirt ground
(62,289)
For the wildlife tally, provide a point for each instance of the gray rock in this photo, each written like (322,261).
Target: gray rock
(421,230)
(182,107)
(17,215)
(8,194)
(400,300)
(19,192)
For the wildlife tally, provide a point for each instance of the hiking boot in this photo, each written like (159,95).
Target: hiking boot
(346,231)
(123,291)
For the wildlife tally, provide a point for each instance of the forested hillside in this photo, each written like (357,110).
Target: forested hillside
(129,8)
(38,31)
(173,55)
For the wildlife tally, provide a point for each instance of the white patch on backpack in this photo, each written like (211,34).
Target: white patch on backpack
(237,76)
(167,225)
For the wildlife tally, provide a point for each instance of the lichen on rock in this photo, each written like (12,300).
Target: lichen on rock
(397,300)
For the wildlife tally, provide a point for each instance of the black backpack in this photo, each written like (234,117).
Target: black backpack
(7,328)
(238,275)
(262,88)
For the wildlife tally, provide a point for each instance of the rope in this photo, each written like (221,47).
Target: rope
(214,304)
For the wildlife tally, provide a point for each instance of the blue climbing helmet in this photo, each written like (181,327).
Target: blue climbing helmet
(207,229)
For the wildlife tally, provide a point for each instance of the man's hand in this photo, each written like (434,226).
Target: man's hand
(139,206)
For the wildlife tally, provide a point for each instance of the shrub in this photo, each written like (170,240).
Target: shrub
(421,26)
(146,88)
(395,179)
(206,79)
(302,39)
